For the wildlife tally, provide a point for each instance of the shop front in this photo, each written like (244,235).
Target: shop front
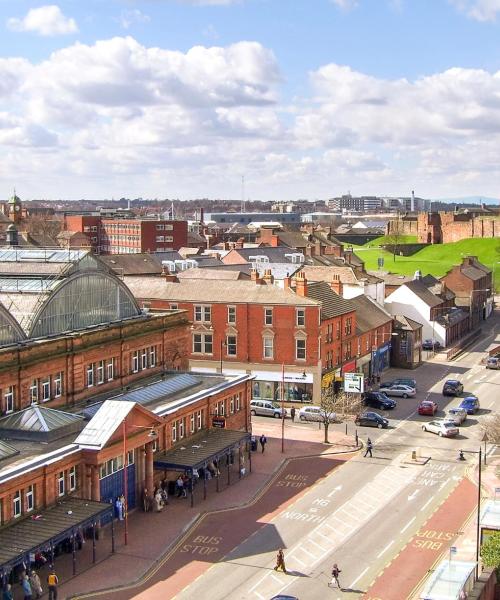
(363,365)
(380,360)
(297,387)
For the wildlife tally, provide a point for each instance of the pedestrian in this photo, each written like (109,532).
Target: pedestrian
(25,583)
(369,448)
(263,442)
(280,561)
(292,413)
(335,576)
(7,593)
(52,582)
(145,500)
(180,486)
(119,508)
(36,584)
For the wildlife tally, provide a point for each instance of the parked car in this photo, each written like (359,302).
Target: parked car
(266,408)
(471,404)
(431,345)
(427,407)
(441,427)
(398,389)
(493,362)
(406,381)
(456,415)
(452,387)
(371,419)
(378,400)
(315,413)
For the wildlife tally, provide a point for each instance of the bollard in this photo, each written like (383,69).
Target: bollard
(414,455)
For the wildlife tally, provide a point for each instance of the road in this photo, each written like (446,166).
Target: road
(368,511)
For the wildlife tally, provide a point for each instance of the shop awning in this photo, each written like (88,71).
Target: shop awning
(200,449)
(47,526)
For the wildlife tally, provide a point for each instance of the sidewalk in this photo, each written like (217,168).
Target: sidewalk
(152,535)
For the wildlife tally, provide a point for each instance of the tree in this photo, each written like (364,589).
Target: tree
(332,404)
(491,429)
(490,551)
(395,236)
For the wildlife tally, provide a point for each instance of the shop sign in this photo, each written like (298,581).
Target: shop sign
(219,422)
(349,367)
(327,379)
(353,383)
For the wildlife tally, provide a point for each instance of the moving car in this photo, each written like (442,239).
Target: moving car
(471,404)
(431,345)
(266,408)
(315,413)
(441,427)
(398,389)
(452,387)
(378,400)
(401,381)
(456,415)
(427,407)
(371,419)
(493,362)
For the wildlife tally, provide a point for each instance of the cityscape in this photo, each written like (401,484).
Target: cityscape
(249,300)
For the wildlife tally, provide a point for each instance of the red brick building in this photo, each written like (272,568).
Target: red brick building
(445,227)
(127,235)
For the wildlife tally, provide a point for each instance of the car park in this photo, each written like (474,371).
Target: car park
(315,413)
(493,362)
(471,404)
(441,427)
(452,387)
(266,408)
(371,419)
(456,415)
(431,345)
(378,400)
(427,407)
(398,389)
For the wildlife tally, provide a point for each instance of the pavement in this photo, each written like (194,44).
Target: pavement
(206,531)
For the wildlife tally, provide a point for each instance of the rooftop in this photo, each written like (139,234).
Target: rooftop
(332,305)
(369,314)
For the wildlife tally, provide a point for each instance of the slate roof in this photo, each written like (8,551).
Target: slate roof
(346,273)
(293,239)
(6,450)
(420,289)
(402,322)
(332,305)
(200,290)
(473,273)
(369,314)
(212,274)
(392,278)
(138,264)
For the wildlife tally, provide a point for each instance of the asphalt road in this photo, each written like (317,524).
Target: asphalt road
(362,514)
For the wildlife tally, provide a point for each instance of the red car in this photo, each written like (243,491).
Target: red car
(427,407)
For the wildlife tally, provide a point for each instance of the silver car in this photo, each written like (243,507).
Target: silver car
(266,408)
(315,413)
(456,415)
(441,427)
(398,389)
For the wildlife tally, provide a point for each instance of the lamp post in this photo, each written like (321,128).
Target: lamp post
(282,408)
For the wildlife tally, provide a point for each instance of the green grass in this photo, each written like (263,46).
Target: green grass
(436,259)
(384,239)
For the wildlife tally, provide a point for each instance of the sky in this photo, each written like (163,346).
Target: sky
(301,98)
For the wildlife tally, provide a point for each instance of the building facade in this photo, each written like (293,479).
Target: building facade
(445,227)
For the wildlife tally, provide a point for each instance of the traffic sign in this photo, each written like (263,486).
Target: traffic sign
(354,383)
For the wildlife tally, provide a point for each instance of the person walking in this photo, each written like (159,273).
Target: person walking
(25,583)
(7,593)
(280,561)
(263,442)
(52,582)
(369,448)
(292,413)
(335,576)
(36,584)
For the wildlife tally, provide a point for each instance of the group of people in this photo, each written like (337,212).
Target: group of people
(280,566)
(32,586)
(120,507)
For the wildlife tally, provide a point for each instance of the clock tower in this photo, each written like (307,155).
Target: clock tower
(15,208)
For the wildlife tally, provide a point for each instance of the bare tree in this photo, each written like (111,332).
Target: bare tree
(334,404)
(491,429)
(395,236)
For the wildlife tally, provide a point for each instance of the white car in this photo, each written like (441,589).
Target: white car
(315,413)
(441,427)
(398,389)
(456,415)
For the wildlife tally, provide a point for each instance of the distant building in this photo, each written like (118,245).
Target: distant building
(445,227)
(349,203)
(245,218)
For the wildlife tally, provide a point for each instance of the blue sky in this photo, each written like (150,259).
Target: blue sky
(307,98)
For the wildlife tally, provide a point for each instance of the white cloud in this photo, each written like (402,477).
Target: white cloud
(131,17)
(481,10)
(45,20)
(345,4)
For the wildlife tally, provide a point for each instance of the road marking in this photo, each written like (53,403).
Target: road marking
(358,578)
(299,561)
(427,503)
(385,549)
(408,524)
(260,595)
(276,578)
(490,404)
(338,488)
(324,536)
(307,552)
(316,544)
(414,495)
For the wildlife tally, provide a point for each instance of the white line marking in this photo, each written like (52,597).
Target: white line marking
(277,579)
(300,561)
(260,595)
(427,503)
(385,549)
(324,536)
(408,524)
(316,544)
(358,577)
(307,552)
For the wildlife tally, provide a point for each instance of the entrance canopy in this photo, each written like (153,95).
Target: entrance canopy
(47,527)
(200,449)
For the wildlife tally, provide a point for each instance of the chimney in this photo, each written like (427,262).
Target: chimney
(287,282)
(168,276)
(254,276)
(301,284)
(240,243)
(268,277)
(347,255)
(12,237)
(336,284)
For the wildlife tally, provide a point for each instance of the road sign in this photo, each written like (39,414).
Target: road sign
(380,262)
(354,383)
(453,549)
